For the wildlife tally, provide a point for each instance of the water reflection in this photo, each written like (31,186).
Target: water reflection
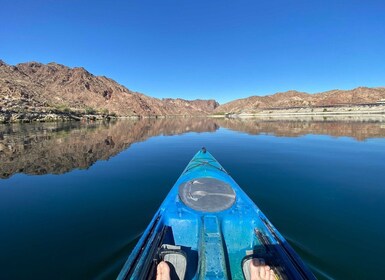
(359,130)
(56,148)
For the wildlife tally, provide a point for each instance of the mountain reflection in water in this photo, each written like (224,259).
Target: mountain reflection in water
(56,148)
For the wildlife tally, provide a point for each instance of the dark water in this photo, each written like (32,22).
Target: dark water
(74,198)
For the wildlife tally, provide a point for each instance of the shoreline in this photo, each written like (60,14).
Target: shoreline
(310,113)
(326,111)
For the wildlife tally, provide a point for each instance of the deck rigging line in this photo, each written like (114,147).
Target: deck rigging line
(200,162)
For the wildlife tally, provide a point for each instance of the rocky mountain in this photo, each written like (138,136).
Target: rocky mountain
(290,99)
(53,88)
(36,91)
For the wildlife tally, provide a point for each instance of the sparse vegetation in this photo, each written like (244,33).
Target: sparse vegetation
(21,110)
(105,112)
(89,111)
(63,108)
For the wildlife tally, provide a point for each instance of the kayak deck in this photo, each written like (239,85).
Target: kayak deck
(217,226)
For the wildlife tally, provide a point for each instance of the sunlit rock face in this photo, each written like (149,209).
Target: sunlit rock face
(295,99)
(53,88)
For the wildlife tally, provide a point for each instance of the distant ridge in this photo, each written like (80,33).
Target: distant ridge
(36,87)
(295,99)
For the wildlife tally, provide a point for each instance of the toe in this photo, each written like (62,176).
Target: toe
(262,272)
(162,271)
(272,275)
(254,268)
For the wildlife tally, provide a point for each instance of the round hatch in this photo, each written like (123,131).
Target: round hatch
(207,194)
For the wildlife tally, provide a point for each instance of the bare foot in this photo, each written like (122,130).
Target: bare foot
(163,271)
(260,271)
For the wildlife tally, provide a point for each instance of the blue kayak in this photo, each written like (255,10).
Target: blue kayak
(208,228)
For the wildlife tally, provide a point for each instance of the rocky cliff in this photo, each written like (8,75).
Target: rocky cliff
(30,88)
(295,99)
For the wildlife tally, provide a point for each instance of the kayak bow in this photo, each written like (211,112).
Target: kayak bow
(208,228)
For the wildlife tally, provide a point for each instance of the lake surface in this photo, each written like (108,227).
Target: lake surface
(75,197)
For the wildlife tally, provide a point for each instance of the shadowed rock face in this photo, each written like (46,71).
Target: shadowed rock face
(56,148)
(36,87)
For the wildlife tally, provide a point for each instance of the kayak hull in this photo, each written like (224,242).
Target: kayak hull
(216,224)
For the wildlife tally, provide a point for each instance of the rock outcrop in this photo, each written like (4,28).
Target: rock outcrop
(57,91)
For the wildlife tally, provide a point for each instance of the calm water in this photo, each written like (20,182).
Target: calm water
(74,198)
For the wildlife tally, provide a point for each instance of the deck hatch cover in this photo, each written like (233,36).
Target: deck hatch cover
(207,194)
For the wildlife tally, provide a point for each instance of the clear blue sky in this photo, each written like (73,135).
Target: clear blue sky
(204,48)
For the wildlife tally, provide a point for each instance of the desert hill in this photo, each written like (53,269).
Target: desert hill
(35,91)
(290,99)
(54,88)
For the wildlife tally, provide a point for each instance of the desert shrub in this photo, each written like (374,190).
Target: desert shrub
(63,108)
(89,110)
(105,112)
